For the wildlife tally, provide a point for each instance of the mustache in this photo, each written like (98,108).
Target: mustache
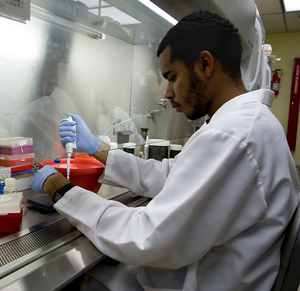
(174,103)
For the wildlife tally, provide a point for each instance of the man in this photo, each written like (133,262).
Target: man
(220,208)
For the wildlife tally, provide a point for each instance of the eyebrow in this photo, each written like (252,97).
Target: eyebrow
(165,75)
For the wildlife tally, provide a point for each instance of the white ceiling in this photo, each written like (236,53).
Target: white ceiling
(272,14)
(275,19)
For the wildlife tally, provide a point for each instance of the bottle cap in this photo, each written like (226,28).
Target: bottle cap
(10,182)
(176,147)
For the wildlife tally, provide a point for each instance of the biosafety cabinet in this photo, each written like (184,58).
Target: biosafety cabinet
(91,58)
(94,59)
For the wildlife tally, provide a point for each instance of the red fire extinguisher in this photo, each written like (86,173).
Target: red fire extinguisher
(276,82)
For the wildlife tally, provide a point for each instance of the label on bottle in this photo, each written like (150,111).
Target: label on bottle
(9,190)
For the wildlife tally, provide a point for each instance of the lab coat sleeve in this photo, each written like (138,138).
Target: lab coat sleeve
(142,177)
(211,195)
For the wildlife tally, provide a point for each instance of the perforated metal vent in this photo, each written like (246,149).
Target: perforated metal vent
(32,241)
(35,167)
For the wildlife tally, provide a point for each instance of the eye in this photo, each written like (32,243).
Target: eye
(172,79)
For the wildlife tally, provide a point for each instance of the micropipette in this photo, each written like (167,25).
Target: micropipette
(69,148)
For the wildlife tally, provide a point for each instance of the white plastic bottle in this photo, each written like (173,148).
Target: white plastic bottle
(10,186)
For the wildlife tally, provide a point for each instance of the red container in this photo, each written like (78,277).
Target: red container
(12,161)
(17,163)
(83,172)
(21,168)
(10,222)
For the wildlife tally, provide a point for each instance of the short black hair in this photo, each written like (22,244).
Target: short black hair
(201,31)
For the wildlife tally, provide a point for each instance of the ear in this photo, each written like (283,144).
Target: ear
(205,64)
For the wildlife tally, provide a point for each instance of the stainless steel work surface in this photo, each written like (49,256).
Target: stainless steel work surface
(49,252)
(56,269)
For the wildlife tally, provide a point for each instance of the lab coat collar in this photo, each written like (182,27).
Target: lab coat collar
(265,96)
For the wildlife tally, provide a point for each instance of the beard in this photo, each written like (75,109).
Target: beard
(196,96)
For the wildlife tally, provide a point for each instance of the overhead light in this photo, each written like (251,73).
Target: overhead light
(291,5)
(159,11)
(43,13)
(118,15)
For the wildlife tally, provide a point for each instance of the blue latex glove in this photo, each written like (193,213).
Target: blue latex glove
(40,177)
(85,141)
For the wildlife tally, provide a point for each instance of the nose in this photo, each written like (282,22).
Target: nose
(169,93)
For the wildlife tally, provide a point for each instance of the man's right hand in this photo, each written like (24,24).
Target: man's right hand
(85,141)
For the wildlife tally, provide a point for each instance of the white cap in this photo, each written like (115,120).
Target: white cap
(10,182)
(159,142)
(176,147)
(130,145)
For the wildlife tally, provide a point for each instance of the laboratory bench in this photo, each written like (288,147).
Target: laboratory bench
(48,252)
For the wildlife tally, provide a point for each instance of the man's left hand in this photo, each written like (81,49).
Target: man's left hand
(40,177)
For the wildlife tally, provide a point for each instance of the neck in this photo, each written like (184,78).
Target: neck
(226,90)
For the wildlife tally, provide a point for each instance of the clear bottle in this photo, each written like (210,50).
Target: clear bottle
(10,186)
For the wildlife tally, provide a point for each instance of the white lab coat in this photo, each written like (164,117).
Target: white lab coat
(218,212)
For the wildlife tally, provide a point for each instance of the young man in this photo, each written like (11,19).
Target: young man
(220,208)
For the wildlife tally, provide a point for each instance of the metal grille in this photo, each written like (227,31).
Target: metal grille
(30,242)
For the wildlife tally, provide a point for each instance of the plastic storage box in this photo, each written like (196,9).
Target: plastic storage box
(22,174)
(10,212)
(21,168)
(16,146)
(10,222)
(12,161)
(23,179)
(17,153)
